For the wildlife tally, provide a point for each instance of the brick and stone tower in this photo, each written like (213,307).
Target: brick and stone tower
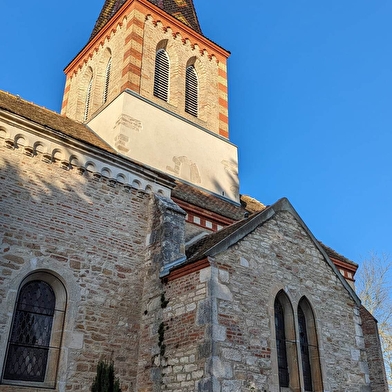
(153,87)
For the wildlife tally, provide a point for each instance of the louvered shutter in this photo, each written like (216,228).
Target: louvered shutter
(107,78)
(191,91)
(88,99)
(161,77)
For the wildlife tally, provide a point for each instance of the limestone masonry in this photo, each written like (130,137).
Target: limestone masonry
(123,235)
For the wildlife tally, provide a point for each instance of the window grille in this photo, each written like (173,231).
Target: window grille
(303,339)
(161,76)
(88,99)
(191,91)
(281,345)
(29,342)
(107,79)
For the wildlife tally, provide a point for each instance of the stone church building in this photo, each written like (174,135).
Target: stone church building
(123,235)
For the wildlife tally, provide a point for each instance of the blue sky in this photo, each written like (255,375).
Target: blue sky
(310,95)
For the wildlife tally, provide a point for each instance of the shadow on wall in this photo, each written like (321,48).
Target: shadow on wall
(87,231)
(231,167)
(75,218)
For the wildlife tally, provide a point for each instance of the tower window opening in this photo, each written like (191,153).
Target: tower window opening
(191,91)
(88,99)
(161,76)
(107,79)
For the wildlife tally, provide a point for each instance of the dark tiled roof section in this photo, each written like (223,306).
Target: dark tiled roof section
(52,120)
(335,255)
(198,250)
(183,10)
(210,202)
(108,10)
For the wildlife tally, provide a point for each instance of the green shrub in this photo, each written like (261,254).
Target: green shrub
(105,380)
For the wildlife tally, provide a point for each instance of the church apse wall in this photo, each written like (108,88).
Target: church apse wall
(73,231)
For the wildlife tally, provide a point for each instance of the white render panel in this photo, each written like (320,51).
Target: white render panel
(157,138)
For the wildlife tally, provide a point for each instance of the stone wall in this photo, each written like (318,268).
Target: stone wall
(374,352)
(78,229)
(280,256)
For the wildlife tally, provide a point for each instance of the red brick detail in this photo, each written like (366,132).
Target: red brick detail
(203,214)
(222,73)
(222,88)
(134,37)
(224,118)
(223,103)
(223,133)
(187,269)
(130,86)
(133,53)
(133,69)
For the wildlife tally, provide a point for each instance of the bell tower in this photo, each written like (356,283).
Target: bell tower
(155,88)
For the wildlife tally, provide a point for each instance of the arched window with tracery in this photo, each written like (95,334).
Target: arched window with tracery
(34,342)
(191,91)
(161,75)
(308,342)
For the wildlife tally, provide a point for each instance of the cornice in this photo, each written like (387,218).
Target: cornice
(178,28)
(53,147)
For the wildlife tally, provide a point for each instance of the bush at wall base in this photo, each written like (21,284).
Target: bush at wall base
(105,380)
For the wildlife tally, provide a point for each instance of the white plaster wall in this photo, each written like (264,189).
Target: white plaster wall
(144,132)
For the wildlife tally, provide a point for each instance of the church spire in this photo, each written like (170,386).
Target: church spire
(183,10)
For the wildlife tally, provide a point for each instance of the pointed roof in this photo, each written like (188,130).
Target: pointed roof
(183,10)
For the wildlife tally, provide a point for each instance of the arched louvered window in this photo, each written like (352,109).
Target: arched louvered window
(88,99)
(281,348)
(191,91)
(107,80)
(161,76)
(308,342)
(34,342)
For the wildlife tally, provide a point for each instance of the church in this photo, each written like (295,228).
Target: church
(124,236)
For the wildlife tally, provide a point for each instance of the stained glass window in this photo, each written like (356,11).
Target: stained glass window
(281,345)
(29,343)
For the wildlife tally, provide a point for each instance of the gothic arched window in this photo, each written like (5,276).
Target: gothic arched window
(281,349)
(34,341)
(286,347)
(308,342)
(107,80)
(191,91)
(161,75)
